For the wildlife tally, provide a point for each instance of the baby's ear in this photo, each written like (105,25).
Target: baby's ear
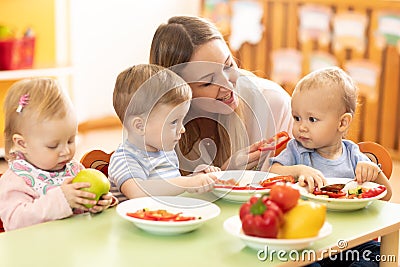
(345,121)
(137,124)
(19,143)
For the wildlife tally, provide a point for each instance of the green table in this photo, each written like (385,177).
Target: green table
(107,240)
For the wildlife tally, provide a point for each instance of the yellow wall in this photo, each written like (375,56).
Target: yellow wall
(40,16)
(37,14)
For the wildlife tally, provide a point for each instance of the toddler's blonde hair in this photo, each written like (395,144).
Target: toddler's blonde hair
(333,78)
(140,88)
(46,100)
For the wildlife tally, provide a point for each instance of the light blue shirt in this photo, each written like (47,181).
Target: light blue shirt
(130,162)
(343,167)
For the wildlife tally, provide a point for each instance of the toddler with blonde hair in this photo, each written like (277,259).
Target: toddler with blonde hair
(40,132)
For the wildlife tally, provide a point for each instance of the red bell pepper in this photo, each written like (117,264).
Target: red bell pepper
(269,182)
(261,217)
(159,215)
(329,193)
(275,142)
(373,192)
(235,187)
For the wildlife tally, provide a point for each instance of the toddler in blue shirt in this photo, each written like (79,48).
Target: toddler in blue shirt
(323,106)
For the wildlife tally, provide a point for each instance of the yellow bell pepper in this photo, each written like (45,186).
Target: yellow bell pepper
(302,221)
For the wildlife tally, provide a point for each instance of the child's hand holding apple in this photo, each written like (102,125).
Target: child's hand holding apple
(85,190)
(103,204)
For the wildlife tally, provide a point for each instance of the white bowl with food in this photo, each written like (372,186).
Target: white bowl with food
(353,196)
(233,226)
(167,215)
(240,185)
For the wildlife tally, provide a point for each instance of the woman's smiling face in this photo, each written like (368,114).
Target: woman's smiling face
(212,74)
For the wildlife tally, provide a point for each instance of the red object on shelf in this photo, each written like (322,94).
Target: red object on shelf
(17,53)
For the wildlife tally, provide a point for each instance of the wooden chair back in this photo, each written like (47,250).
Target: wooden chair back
(97,159)
(378,154)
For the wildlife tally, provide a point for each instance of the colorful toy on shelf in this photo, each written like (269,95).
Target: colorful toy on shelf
(16,52)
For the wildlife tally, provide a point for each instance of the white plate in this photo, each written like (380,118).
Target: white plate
(341,204)
(233,226)
(244,178)
(188,206)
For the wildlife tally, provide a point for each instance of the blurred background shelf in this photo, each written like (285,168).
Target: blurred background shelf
(56,71)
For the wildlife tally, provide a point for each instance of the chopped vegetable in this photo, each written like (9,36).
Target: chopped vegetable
(359,192)
(160,215)
(373,192)
(269,182)
(265,184)
(355,191)
(339,194)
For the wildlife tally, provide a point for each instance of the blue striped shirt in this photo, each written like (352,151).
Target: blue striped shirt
(128,162)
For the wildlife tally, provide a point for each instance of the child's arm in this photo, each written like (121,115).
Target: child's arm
(133,188)
(204,168)
(369,171)
(305,175)
(21,206)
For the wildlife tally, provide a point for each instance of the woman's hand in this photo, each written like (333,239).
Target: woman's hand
(77,198)
(246,158)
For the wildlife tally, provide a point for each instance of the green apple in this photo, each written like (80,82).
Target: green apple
(99,183)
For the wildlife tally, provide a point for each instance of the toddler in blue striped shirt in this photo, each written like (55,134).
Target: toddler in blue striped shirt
(152,102)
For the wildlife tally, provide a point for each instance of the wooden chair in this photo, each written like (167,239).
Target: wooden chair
(97,159)
(378,154)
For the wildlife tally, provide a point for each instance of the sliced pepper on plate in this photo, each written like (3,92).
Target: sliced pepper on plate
(373,192)
(269,182)
(159,215)
(265,184)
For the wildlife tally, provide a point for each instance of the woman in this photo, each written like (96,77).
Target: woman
(232,111)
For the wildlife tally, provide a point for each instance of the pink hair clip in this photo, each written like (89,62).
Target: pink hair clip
(23,101)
